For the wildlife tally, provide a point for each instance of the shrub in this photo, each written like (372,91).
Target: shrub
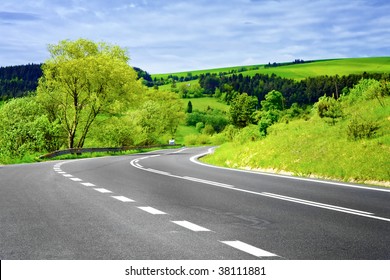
(250,133)
(208,129)
(199,126)
(329,109)
(359,128)
(200,139)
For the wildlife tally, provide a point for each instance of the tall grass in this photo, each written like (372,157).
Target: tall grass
(314,148)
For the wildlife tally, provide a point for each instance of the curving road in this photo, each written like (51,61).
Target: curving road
(166,205)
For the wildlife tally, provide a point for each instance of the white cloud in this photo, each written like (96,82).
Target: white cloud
(165,36)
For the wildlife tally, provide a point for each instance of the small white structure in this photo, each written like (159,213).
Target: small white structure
(172,142)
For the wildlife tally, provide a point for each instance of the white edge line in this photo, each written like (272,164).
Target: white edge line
(158,171)
(195,160)
(313,203)
(295,200)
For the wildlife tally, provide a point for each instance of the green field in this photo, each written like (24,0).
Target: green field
(300,71)
(204,103)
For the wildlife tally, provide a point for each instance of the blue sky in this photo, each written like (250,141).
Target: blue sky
(175,35)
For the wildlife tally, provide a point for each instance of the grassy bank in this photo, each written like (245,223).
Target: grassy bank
(316,149)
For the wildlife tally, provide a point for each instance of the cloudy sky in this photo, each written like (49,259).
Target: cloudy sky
(179,35)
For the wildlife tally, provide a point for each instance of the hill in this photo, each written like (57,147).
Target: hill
(299,70)
(310,147)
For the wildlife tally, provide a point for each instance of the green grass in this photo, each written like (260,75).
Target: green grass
(183,131)
(330,67)
(300,71)
(199,72)
(202,104)
(315,149)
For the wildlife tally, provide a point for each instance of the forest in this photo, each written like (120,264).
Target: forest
(17,81)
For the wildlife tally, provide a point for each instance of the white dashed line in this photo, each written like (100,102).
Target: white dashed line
(190,226)
(152,210)
(76,179)
(67,175)
(88,184)
(61,172)
(249,249)
(102,190)
(123,198)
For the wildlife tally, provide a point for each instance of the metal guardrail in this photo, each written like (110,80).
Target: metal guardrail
(79,151)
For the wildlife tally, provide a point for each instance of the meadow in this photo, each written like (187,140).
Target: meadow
(300,71)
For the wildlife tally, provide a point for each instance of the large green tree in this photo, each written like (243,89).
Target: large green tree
(242,109)
(82,80)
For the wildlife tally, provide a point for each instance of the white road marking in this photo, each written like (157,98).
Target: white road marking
(67,175)
(152,210)
(249,249)
(61,172)
(316,204)
(102,190)
(157,171)
(291,199)
(123,198)
(207,182)
(194,159)
(190,226)
(179,151)
(76,179)
(88,184)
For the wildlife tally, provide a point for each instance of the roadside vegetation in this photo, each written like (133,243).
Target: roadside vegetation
(353,147)
(328,119)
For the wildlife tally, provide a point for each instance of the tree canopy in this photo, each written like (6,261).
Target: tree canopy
(82,80)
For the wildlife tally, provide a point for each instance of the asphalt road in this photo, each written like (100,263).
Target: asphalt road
(165,205)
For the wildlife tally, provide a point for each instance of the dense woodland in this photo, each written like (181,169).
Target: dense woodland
(305,92)
(17,81)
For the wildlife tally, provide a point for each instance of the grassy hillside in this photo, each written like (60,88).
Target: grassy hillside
(300,71)
(314,148)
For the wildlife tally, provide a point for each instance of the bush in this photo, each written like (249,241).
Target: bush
(329,109)
(208,129)
(360,129)
(250,133)
(267,119)
(200,139)
(199,126)
(25,129)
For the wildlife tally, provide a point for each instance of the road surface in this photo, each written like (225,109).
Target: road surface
(165,205)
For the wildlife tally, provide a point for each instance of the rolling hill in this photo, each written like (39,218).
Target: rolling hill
(302,70)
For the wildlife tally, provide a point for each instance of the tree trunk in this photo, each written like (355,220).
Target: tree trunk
(71,140)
